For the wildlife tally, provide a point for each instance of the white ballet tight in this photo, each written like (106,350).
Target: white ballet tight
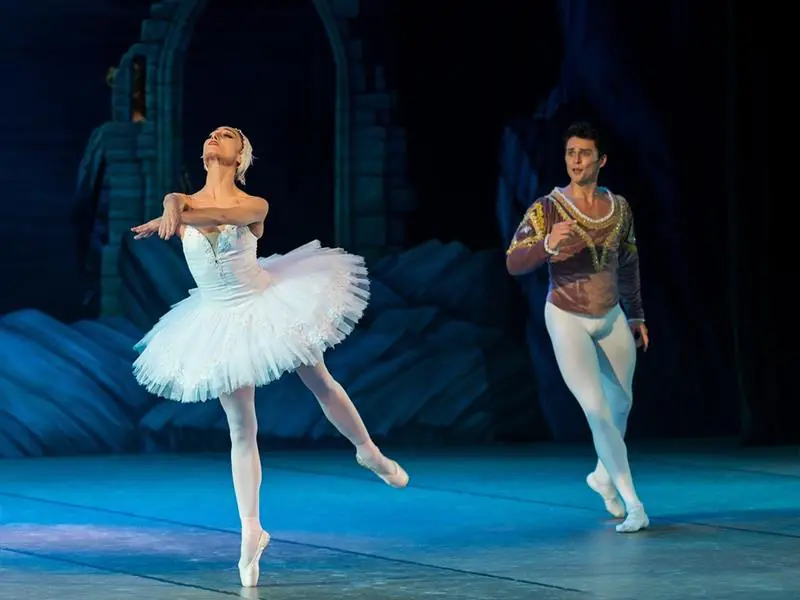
(240,411)
(597,357)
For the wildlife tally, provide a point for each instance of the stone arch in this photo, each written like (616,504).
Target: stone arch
(342,210)
(372,196)
(169,97)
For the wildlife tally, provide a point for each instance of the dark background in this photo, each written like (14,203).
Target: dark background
(689,153)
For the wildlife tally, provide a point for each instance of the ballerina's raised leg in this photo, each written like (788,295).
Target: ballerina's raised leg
(342,413)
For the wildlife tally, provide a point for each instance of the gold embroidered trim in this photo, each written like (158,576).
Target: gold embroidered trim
(531,230)
(585,221)
(612,240)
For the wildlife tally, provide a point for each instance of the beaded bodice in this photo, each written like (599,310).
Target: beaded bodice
(224,265)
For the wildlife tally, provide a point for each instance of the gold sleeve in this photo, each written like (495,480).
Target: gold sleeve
(527,252)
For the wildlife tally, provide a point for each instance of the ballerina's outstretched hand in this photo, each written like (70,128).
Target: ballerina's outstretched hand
(146,229)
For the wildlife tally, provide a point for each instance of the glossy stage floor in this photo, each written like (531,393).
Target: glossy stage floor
(516,523)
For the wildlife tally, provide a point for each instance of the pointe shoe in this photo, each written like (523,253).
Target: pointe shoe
(397,478)
(636,520)
(609,495)
(249,573)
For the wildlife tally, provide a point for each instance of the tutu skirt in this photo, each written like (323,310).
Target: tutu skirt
(202,349)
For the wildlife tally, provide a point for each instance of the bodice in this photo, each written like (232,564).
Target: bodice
(224,267)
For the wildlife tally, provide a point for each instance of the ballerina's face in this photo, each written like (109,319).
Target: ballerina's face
(224,145)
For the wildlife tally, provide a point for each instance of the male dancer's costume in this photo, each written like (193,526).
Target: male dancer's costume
(596,353)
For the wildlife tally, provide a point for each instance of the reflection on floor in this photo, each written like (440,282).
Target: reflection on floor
(515,523)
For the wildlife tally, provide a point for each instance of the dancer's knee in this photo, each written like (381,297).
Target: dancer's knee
(620,404)
(243,432)
(599,415)
(320,382)
(621,411)
(242,423)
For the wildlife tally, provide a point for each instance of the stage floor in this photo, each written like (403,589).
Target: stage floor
(476,524)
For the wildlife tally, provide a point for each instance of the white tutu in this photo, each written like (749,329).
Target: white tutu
(309,300)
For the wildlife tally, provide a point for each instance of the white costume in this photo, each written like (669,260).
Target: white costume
(250,319)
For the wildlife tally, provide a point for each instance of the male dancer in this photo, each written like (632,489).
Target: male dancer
(585,235)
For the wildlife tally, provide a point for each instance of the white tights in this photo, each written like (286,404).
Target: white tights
(240,411)
(597,357)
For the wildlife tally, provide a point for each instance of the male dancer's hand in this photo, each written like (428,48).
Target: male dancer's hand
(640,335)
(560,233)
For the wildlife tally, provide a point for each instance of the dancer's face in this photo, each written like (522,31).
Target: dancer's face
(223,145)
(583,161)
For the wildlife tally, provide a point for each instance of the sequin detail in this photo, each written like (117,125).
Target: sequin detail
(532,229)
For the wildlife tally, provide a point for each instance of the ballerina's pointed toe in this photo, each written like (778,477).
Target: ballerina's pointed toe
(396,477)
(249,573)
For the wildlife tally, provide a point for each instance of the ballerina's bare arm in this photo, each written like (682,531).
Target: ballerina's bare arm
(249,210)
(176,200)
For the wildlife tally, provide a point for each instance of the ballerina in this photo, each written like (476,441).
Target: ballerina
(249,321)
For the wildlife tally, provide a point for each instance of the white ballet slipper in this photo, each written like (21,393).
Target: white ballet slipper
(250,572)
(636,520)
(609,495)
(396,477)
